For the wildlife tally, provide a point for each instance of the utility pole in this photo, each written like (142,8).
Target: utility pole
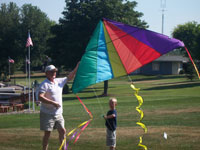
(163,6)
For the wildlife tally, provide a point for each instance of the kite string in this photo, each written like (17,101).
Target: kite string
(101,106)
(98,100)
(130,79)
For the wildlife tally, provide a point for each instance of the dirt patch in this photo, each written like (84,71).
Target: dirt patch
(134,132)
(25,111)
(153,138)
(11,134)
(178,111)
(173,83)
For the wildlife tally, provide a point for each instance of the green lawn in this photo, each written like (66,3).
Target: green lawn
(171,105)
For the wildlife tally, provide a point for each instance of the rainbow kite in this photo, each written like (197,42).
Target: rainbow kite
(117,49)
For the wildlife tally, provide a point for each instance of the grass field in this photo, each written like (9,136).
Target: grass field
(171,105)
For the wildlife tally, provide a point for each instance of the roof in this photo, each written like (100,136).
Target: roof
(172,58)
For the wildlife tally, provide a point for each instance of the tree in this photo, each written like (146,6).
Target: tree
(33,19)
(14,26)
(9,35)
(190,71)
(80,19)
(189,33)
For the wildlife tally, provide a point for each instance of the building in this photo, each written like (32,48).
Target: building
(164,65)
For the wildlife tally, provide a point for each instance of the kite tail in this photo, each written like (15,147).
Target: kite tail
(80,128)
(141,145)
(138,108)
(193,63)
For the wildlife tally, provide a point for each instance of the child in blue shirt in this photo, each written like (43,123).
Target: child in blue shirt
(111,124)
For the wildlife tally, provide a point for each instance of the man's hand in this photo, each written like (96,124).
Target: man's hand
(56,105)
(43,99)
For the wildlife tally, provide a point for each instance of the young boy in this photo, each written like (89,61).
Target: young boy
(111,124)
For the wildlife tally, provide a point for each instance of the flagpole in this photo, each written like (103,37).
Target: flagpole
(26,74)
(28,44)
(8,69)
(29,76)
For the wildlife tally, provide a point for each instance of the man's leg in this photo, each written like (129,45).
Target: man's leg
(62,132)
(112,148)
(46,139)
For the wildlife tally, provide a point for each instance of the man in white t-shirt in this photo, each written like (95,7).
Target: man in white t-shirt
(50,95)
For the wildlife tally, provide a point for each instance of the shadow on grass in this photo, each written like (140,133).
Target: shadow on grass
(83,98)
(75,98)
(155,77)
(176,85)
(92,90)
(88,90)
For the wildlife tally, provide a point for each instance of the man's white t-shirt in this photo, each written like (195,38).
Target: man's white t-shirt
(53,91)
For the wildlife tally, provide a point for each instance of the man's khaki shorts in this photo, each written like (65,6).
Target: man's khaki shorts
(48,122)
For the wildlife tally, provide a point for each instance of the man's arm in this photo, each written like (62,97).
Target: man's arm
(43,99)
(73,73)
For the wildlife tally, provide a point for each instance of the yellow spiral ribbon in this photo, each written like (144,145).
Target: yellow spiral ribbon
(138,108)
(141,145)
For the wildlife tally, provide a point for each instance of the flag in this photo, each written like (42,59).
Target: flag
(29,41)
(11,60)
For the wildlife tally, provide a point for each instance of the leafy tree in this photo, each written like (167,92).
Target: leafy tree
(80,19)
(190,71)
(14,25)
(38,23)
(9,35)
(189,33)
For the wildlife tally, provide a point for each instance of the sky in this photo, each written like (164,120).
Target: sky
(176,11)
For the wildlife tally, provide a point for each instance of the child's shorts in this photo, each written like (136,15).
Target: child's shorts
(111,138)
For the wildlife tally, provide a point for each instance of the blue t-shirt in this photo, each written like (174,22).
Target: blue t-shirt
(111,123)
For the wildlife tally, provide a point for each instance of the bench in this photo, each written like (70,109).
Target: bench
(17,106)
(4,109)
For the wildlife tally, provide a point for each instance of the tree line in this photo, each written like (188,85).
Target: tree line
(14,25)
(65,42)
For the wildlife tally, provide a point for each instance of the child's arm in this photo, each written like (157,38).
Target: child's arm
(109,116)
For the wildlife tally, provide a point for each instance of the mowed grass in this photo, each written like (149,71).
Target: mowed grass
(171,105)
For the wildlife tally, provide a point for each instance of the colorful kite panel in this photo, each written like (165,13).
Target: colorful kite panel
(117,49)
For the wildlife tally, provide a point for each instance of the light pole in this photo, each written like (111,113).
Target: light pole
(163,6)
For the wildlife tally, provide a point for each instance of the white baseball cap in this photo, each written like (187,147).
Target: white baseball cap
(50,68)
